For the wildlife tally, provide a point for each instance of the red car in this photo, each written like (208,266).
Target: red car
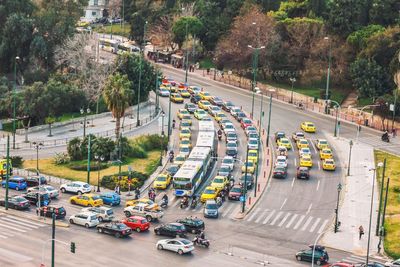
(341,264)
(137,223)
(235,192)
(245,122)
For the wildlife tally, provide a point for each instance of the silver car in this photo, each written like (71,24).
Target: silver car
(178,245)
(229,161)
(253,144)
(103,213)
(87,219)
(53,193)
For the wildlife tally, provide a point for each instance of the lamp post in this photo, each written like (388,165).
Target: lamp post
(380,164)
(244,189)
(37,146)
(269,118)
(157,91)
(84,119)
(14,96)
(337,223)
(259,143)
(394,105)
(370,214)
(328,74)
(140,74)
(351,146)
(7,171)
(337,123)
(169,117)
(292,80)
(162,136)
(187,54)
(359,116)
(98,159)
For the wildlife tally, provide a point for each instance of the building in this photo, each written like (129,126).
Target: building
(95,9)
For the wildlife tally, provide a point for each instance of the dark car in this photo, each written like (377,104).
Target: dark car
(227,105)
(303,173)
(16,202)
(171,229)
(240,115)
(279,135)
(192,225)
(373,264)
(48,211)
(190,107)
(173,169)
(320,255)
(195,98)
(34,180)
(33,198)
(116,229)
(279,172)
(231,152)
(216,100)
(249,180)
(235,192)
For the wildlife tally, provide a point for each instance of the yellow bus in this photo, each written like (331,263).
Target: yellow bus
(3,168)
(127,47)
(108,45)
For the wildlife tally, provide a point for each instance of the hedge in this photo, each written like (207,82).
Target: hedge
(110,181)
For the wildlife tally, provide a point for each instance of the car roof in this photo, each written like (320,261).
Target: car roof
(175,223)
(281,157)
(88,213)
(137,217)
(78,182)
(211,201)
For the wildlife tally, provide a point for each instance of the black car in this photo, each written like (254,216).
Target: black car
(171,229)
(227,105)
(116,229)
(249,180)
(320,255)
(240,115)
(190,107)
(60,212)
(279,135)
(303,173)
(34,180)
(279,172)
(33,198)
(173,169)
(373,264)
(16,202)
(216,100)
(195,98)
(192,225)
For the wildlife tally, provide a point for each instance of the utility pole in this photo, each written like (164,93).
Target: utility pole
(88,159)
(380,197)
(351,146)
(245,182)
(269,118)
(7,171)
(140,73)
(384,207)
(339,188)
(328,75)
(187,54)
(53,237)
(370,215)
(259,143)
(157,94)
(169,118)
(292,80)
(14,97)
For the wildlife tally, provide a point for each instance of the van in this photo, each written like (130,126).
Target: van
(17,183)
(3,167)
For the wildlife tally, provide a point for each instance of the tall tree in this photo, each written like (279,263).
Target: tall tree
(385,12)
(193,25)
(344,16)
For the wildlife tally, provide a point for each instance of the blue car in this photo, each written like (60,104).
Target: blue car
(17,183)
(110,198)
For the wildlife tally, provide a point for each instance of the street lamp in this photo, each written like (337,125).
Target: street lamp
(269,118)
(162,137)
(337,223)
(169,117)
(140,74)
(328,74)
(244,189)
(360,116)
(380,164)
(37,146)
(259,141)
(337,109)
(370,213)
(99,159)
(351,146)
(292,80)
(84,119)
(14,96)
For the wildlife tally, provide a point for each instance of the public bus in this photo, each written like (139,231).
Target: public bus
(206,139)
(202,154)
(206,126)
(188,178)
(127,47)
(109,45)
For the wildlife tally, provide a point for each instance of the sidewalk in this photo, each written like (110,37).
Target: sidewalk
(355,201)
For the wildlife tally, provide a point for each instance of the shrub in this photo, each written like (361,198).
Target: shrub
(396,189)
(16,161)
(110,181)
(82,166)
(137,152)
(61,158)
(74,149)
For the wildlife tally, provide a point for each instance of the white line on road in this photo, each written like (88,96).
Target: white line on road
(319,181)
(319,165)
(276,218)
(314,225)
(299,222)
(269,217)
(253,215)
(295,162)
(307,223)
(284,219)
(294,178)
(4,237)
(291,220)
(309,209)
(227,210)
(12,228)
(25,221)
(322,227)
(261,216)
(283,204)
(20,223)
(313,145)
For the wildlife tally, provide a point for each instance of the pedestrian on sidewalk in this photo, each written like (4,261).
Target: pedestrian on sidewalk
(137,193)
(394,132)
(360,231)
(116,189)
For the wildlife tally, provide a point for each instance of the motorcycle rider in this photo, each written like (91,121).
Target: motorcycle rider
(194,202)
(173,124)
(137,193)
(171,156)
(185,201)
(385,136)
(219,134)
(165,200)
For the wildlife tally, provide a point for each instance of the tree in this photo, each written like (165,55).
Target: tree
(344,16)
(359,38)
(385,12)
(116,94)
(193,25)
(161,32)
(382,109)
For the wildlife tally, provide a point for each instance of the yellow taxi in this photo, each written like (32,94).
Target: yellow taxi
(187,117)
(205,95)
(176,98)
(308,127)
(180,159)
(302,143)
(328,165)
(285,143)
(200,114)
(322,143)
(325,153)
(209,193)
(185,133)
(184,93)
(162,181)
(182,112)
(134,202)
(219,182)
(252,156)
(185,124)
(185,142)
(87,200)
(250,167)
(306,161)
(220,116)
(173,89)
(204,104)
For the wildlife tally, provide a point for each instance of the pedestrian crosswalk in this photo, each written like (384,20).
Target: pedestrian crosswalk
(354,259)
(12,226)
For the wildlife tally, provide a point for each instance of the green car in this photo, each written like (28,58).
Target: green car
(320,255)
(200,114)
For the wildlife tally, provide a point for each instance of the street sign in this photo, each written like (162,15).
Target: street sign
(242,199)
(391,107)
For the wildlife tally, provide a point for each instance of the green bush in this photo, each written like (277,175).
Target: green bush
(16,161)
(396,189)
(61,158)
(137,152)
(82,166)
(110,181)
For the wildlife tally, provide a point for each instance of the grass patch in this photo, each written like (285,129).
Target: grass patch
(206,63)
(361,102)
(47,166)
(392,220)
(117,29)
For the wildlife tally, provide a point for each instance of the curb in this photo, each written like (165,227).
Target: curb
(33,218)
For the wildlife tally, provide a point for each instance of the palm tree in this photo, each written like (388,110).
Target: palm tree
(116,95)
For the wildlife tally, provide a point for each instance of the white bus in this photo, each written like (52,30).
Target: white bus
(202,154)
(206,126)
(109,45)
(188,178)
(206,139)
(127,47)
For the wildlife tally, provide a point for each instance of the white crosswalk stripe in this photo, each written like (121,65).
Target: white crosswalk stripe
(299,222)
(315,225)
(284,219)
(307,223)
(276,218)
(269,216)
(254,213)
(261,216)
(12,226)
(227,209)
(291,220)
(322,227)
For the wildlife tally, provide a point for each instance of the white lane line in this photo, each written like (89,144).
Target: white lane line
(11,227)
(261,216)
(322,227)
(227,210)
(291,220)
(319,181)
(314,225)
(276,218)
(291,143)
(295,162)
(313,145)
(319,165)
(307,223)
(294,178)
(269,217)
(4,237)
(253,215)
(283,204)
(3,232)
(25,221)
(20,223)
(299,222)
(355,258)
(284,219)
(309,209)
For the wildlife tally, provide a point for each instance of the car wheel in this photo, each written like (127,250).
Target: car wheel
(149,218)
(87,225)
(17,189)
(63,190)
(127,213)
(180,251)
(319,262)
(157,232)
(71,221)
(138,230)
(79,193)
(100,218)
(73,202)
(100,230)
(117,235)
(160,247)
(298,258)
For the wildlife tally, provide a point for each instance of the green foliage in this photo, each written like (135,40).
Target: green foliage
(61,158)
(359,38)
(82,165)
(110,181)
(344,16)
(16,161)
(186,26)
(278,15)
(385,12)
(101,146)
(74,149)
(294,8)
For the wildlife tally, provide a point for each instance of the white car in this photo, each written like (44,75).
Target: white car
(253,144)
(304,151)
(163,92)
(53,193)
(393,263)
(228,127)
(250,129)
(235,110)
(281,161)
(229,161)
(103,213)
(87,219)
(213,110)
(178,245)
(76,187)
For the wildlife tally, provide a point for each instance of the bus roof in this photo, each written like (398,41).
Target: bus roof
(205,139)
(199,153)
(206,126)
(128,45)
(188,169)
(111,41)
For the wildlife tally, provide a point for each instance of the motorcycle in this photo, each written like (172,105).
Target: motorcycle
(193,204)
(385,138)
(164,203)
(201,242)
(184,203)
(219,137)
(171,158)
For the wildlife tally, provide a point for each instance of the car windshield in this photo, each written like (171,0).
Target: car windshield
(236,190)
(252,154)
(184,149)
(86,185)
(249,164)
(224,169)
(227,161)
(281,160)
(19,199)
(109,212)
(180,158)
(221,115)
(253,141)
(232,135)
(173,168)
(218,180)
(248,177)
(185,131)
(231,145)
(211,206)
(303,141)
(329,161)
(229,126)
(201,111)
(95,197)
(161,178)
(93,217)
(310,125)
(280,169)
(323,142)
(209,191)
(284,141)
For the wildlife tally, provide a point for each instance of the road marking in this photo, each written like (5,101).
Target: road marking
(227,210)
(322,226)
(294,178)
(309,209)
(299,222)
(261,216)
(314,225)
(284,219)
(319,165)
(13,256)
(269,217)
(253,215)
(276,218)
(313,145)
(20,223)
(292,220)
(5,225)
(318,184)
(283,204)
(4,237)
(307,223)
(25,221)
(295,162)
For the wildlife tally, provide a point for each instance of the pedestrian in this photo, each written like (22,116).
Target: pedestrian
(223,195)
(394,132)
(116,189)
(137,193)
(360,231)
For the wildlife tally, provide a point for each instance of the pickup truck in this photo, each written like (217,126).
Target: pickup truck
(150,212)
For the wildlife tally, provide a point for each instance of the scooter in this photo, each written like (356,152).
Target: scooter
(201,242)
(163,203)
(184,203)
(385,138)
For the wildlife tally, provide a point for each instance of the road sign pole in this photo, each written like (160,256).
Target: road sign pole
(269,118)
(7,171)
(88,160)
(53,237)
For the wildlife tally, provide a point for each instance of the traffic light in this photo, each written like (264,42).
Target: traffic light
(73,247)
